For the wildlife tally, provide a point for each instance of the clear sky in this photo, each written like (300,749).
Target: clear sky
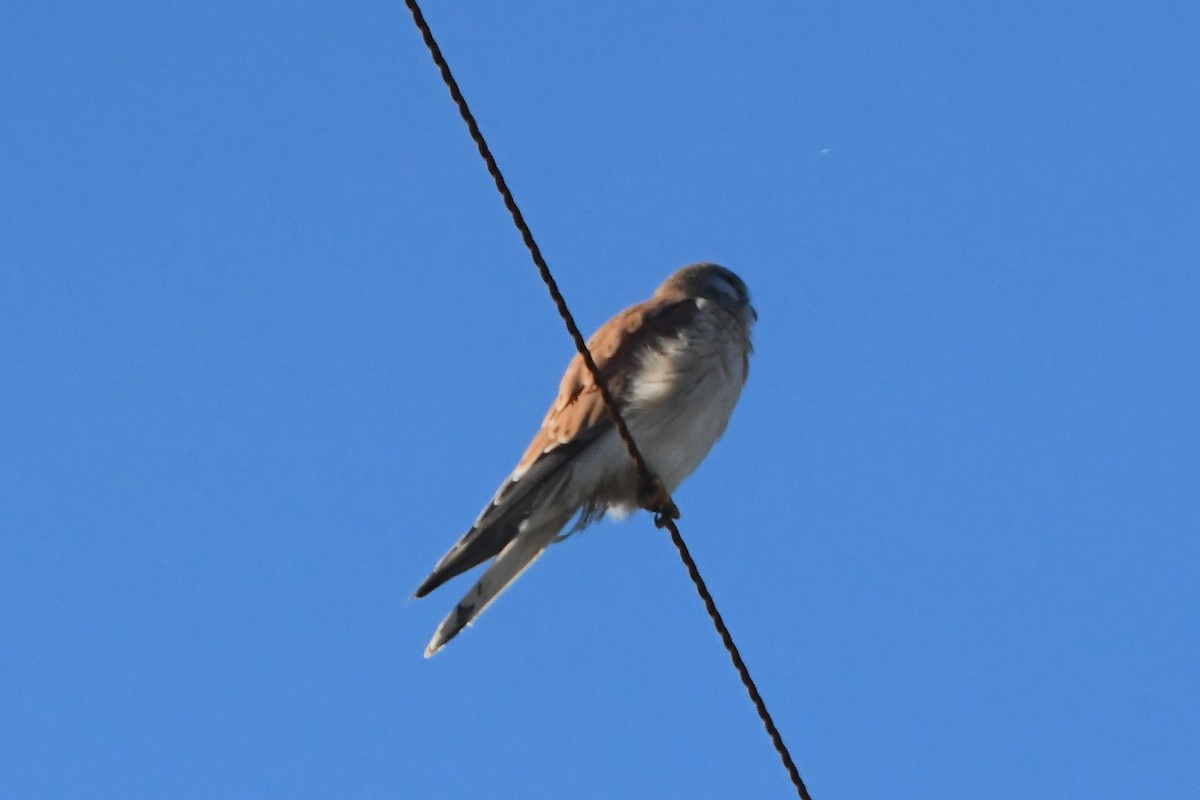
(269,342)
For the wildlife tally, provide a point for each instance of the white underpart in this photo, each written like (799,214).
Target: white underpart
(678,404)
(683,400)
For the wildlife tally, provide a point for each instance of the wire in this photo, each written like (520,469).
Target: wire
(660,501)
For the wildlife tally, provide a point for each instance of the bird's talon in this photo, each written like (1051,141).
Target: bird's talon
(654,498)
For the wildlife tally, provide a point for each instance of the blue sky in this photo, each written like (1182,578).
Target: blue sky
(269,342)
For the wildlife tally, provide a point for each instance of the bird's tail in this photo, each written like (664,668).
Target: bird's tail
(516,557)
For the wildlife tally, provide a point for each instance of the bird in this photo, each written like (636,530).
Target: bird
(675,366)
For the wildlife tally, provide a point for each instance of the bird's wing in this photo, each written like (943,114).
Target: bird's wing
(578,412)
(575,420)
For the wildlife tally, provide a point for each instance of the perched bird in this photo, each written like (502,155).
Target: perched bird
(675,365)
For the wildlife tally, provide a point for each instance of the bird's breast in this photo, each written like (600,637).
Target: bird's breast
(683,396)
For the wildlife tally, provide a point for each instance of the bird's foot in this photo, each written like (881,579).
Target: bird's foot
(655,498)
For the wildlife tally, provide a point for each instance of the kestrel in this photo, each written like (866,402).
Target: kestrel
(675,365)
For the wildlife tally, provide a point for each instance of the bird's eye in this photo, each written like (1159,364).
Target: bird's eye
(726,286)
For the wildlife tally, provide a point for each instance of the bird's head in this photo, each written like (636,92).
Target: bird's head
(714,283)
